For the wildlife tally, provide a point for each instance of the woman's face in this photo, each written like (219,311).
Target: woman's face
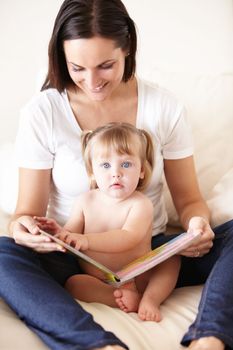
(95,65)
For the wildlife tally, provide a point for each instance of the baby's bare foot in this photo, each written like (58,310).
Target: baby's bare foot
(148,310)
(207,343)
(127,299)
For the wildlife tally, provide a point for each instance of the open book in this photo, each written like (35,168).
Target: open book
(138,266)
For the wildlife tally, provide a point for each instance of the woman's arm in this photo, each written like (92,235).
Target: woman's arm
(33,195)
(192,209)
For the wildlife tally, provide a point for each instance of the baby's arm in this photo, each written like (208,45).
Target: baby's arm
(75,223)
(134,230)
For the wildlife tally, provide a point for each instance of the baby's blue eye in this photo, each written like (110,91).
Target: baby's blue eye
(126,165)
(105,165)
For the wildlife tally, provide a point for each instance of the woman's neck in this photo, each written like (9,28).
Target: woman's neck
(120,106)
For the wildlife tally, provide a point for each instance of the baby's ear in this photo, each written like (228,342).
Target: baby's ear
(92,177)
(93,183)
(142,174)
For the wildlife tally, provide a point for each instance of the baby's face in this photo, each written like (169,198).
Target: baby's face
(117,175)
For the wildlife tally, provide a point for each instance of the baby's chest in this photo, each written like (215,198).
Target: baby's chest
(105,218)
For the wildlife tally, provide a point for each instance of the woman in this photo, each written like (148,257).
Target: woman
(91,81)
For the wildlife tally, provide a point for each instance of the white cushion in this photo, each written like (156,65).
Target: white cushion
(221,199)
(178,312)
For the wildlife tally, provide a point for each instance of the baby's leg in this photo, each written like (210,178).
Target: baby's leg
(127,297)
(90,289)
(161,283)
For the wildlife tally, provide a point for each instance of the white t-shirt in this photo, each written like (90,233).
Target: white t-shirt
(49,138)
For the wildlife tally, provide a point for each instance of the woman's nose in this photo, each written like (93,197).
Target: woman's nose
(93,80)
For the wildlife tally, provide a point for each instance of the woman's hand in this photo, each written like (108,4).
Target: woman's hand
(205,243)
(26,232)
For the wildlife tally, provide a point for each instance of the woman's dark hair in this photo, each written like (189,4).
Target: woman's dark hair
(86,19)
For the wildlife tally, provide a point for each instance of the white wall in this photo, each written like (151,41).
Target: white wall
(174,36)
(25,28)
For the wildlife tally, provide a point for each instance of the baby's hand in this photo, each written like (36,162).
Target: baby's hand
(76,240)
(49,225)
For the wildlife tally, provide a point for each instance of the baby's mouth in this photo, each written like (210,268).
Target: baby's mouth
(116,185)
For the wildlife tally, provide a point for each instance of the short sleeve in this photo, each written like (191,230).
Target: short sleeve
(34,140)
(177,135)
(165,117)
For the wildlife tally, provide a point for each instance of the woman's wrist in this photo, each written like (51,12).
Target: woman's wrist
(198,222)
(16,221)
(190,219)
(198,217)
(11,227)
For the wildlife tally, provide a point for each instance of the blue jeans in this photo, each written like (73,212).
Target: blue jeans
(215,269)
(32,285)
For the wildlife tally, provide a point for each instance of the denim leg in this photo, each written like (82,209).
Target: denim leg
(43,304)
(215,313)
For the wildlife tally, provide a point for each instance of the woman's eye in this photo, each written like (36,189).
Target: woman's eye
(126,165)
(75,70)
(106,66)
(105,165)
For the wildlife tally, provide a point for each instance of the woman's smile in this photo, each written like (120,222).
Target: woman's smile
(95,65)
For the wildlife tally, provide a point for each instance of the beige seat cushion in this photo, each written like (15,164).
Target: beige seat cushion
(178,312)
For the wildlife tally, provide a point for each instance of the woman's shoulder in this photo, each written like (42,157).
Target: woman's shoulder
(48,105)
(159,108)
(43,99)
(157,93)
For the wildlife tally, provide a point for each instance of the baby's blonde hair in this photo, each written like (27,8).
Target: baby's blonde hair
(120,137)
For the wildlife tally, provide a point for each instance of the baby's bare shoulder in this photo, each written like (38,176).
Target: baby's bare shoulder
(86,197)
(141,199)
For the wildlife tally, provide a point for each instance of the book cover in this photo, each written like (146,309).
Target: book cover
(138,266)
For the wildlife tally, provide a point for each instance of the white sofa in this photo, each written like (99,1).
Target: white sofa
(204,81)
